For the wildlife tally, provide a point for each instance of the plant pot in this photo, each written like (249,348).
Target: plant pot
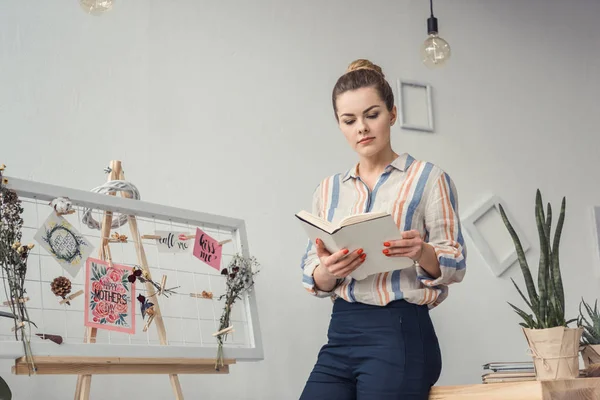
(555,352)
(590,354)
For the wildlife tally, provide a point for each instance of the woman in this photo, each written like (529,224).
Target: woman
(381,342)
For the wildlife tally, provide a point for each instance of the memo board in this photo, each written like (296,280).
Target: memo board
(190,320)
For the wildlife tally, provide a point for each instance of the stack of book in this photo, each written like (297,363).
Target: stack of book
(496,372)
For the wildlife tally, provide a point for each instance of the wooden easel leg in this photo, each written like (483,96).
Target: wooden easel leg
(176,387)
(78,387)
(158,321)
(84,382)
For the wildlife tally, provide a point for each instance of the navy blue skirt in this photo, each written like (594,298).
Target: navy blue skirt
(374,352)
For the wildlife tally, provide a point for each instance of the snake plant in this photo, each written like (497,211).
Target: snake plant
(547,303)
(591,328)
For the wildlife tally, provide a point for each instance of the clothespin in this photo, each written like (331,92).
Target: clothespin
(20,325)
(183,236)
(147,324)
(222,242)
(224,331)
(71,297)
(116,238)
(23,300)
(203,295)
(163,282)
(151,237)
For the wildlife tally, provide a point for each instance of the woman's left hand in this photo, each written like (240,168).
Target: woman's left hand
(411,245)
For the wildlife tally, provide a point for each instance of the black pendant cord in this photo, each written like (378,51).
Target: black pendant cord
(432,24)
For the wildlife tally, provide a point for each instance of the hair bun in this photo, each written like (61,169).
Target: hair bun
(364,64)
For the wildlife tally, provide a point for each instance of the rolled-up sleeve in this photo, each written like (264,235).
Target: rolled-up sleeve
(444,231)
(310,260)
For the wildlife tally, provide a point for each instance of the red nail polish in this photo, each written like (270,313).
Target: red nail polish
(386,251)
(345,251)
(359,251)
(318,241)
(387,244)
(363,256)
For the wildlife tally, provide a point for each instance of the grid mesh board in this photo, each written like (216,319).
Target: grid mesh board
(189,321)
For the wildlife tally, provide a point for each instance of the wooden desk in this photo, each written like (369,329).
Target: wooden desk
(571,389)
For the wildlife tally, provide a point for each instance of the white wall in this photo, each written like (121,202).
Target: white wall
(180,89)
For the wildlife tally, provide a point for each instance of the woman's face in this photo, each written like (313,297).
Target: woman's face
(365,121)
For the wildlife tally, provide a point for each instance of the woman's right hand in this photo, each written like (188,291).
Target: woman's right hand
(339,264)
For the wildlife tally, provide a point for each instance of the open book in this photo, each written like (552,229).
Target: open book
(367,231)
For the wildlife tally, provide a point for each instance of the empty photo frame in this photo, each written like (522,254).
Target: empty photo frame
(415,108)
(596,219)
(491,237)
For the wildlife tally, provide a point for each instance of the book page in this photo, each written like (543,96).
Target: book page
(370,236)
(311,219)
(357,218)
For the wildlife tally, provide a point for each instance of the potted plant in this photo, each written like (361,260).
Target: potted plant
(554,346)
(590,338)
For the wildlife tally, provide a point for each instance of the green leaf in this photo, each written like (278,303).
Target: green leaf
(5,393)
(522,295)
(556,274)
(543,264)
(526,317)
(533,296)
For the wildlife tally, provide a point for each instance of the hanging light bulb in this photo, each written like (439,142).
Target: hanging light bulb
(96,7)
(435,51)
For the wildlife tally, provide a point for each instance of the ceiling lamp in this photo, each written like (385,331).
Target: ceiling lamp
(435,51)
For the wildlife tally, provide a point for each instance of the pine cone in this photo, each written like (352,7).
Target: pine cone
(61,286)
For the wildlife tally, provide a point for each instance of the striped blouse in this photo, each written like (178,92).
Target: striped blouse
(420,196)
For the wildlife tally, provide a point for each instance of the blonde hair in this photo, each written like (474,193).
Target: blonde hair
(361,63)
(363,73)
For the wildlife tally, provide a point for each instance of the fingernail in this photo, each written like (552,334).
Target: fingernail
(360,251)
(363,256)
(318,241)
(345,251)
(387,244)
(385,251)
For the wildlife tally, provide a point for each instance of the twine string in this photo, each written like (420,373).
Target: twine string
(111,186)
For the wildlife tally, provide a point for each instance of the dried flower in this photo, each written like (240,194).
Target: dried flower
(118,238)
(13,261)
(147,307)
(143,275)
(239,280)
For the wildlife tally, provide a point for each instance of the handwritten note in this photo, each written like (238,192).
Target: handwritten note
(169,242)
(207,249)
(110,297)
(68,247)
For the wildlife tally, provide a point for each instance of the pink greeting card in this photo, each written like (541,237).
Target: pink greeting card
(207,249)
(110,296)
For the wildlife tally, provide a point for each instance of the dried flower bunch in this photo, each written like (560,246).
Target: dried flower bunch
(13,261)
(239,280)
(143,277)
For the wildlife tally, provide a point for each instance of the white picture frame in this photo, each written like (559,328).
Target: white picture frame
(405,122)
(497,265)
(596,229)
